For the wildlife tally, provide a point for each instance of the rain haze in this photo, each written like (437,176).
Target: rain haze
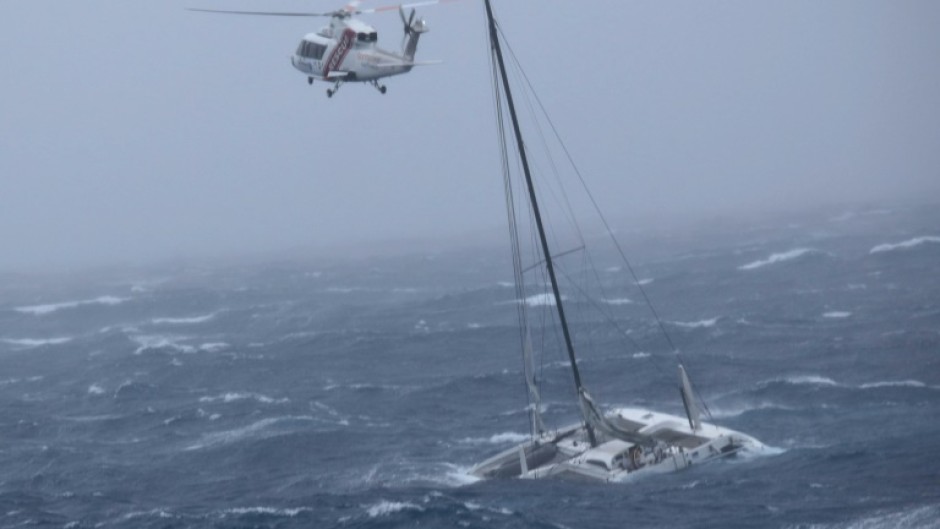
(140,131)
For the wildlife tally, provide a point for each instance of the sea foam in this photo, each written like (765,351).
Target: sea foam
(40,310)
(385,507)
(696,324)
(910,243)
(182,321)
(777,258)
(35,342)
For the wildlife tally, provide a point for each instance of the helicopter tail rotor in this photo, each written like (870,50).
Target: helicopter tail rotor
(413,30)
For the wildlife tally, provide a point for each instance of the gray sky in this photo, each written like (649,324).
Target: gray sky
(136,130)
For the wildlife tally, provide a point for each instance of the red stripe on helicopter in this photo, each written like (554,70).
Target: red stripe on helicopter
(339,52)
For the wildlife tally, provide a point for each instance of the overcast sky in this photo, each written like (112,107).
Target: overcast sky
(136,130)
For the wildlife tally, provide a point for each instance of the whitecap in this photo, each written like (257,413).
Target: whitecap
(257,429)
(36,342)
(911,518)
(271,511)
(618,301)
(40,310)
(541,300)
(641,355)
(735,411)
(95,389)
(213,347)
(385,507)
(837,314)
(910,243)
(697,324)
(235,397)
(148,342)
(799,380)
(183,321)
(809,379)
(500,438)
(644,282)
(777,258)
(894,384)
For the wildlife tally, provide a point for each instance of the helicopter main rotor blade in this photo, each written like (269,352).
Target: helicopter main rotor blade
(261,13)
(403,6)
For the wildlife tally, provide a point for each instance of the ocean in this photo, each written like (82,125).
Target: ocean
(335,392)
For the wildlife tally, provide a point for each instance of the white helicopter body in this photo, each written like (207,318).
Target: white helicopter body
(347,49)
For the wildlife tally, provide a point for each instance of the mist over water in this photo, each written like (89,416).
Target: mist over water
(356,392)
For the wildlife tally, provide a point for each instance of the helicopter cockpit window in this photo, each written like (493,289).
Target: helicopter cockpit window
(311,50)
(368,37)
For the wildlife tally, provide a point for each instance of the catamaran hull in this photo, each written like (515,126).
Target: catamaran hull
(667,444)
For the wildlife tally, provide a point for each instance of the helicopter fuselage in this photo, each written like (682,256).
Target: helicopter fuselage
(346,51)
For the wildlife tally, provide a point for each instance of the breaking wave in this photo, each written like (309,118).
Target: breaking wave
(919,518)
(696,324)
(260,429)
(910,243)
(385,507)
(40,310)
(148,342)
(497,439)
(817,380)
(777,258)
(235,397)
(182,321)
(618,301)
(837,314)
(35,342)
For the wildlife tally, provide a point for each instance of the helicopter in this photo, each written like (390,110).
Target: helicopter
(346,50)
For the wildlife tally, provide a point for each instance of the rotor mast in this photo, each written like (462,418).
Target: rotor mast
(549,265)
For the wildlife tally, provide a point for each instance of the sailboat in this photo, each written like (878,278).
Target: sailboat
(605,446)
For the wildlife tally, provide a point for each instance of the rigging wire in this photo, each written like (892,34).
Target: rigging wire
(609,231)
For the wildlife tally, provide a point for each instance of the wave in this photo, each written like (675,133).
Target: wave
(896,384)
(817,380)
(150,342)
(696,324)
(270,511)
(777,258)
(40,310)
(837,314)
(910,243)
(235,397)
(182,321)
(618,301)
(260,429)
(812,380)
(36,342)
(385,507)
(497,439)
(738,410)
(919,518)
(541,300)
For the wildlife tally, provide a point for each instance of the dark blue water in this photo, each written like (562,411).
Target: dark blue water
(355,393)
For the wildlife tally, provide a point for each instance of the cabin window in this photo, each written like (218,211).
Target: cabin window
(367,37)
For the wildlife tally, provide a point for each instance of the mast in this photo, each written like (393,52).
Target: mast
(549,265)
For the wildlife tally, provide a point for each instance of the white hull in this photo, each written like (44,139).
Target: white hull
(669,445)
